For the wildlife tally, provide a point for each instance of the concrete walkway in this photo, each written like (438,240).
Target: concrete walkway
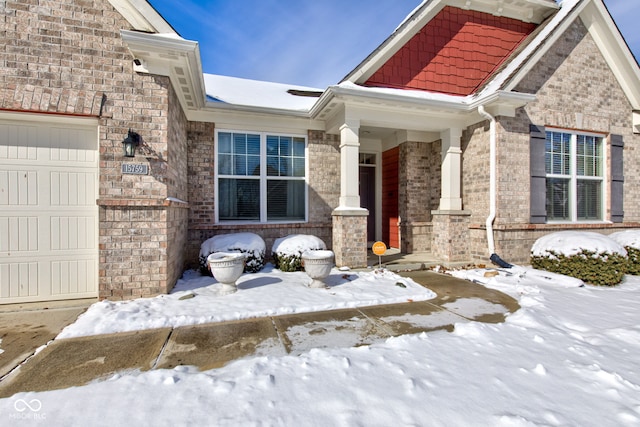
(71,362)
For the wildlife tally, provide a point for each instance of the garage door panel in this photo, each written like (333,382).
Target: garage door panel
(72,188)
(18,187)
(18,141)
(72,233)
(71,277)
(48,211)
(18,234)
(19,280)
(73,145)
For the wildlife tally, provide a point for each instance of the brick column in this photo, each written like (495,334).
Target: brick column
(350,237)
(451,236)
(349,219)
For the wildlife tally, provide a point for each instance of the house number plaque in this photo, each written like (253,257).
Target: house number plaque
(135,169)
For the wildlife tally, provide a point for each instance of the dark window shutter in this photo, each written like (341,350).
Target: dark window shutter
(538,174)
(617,178)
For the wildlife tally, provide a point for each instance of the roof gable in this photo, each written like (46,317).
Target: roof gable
(454,53)
(606,35)
(142,16)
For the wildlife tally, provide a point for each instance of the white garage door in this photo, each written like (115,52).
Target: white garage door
(48,211)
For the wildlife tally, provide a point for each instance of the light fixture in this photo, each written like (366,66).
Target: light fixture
(130,143)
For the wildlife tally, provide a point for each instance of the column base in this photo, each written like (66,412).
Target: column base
(350,237)
(451,235)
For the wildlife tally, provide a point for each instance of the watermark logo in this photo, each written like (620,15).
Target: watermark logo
(28,410)
(22,405)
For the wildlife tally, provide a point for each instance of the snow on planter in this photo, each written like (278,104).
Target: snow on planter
(630,240)
(287,251)
(249,244)
(592,257)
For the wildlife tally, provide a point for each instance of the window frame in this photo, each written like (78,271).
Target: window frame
(263,177)
(573,177)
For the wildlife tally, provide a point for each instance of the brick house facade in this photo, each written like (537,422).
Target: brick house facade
(113,65)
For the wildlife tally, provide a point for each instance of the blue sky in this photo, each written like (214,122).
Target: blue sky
(307,42)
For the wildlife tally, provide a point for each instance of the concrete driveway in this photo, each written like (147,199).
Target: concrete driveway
(71,362)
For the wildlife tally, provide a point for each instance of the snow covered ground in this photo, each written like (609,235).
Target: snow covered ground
(197,299)
(568,357)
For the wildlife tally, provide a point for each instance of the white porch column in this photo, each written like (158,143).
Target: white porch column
(349,161)
(450,199)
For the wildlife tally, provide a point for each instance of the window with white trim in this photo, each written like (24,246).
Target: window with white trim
(574,164)
(260,177)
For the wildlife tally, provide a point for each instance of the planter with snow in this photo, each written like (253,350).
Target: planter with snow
(630,240)
(227,267)
(249,244)
(317,265)
(287,251)
(592,257)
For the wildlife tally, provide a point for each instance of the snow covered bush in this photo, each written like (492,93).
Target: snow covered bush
(630,240)
(591,257)
(287,251)
(249,244)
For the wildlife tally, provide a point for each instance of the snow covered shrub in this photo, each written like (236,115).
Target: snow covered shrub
(249,244)
(287,251)
(630,240)
(594,258)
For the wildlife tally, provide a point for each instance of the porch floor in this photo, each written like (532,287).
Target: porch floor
(395,260)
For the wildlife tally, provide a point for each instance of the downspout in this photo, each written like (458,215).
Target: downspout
(492,178)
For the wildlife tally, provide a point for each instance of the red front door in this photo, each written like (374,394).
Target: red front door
(390,231)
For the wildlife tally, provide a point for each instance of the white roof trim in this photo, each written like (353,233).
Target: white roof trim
(142,16)
(422,99)
(172,56)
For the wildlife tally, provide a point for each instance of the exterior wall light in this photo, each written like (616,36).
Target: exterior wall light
(130,143)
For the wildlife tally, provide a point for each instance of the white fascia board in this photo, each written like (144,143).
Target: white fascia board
(451,104)
(255,121)
(170,56)
(142,16)
(212,106)
(534,11)
(373,108)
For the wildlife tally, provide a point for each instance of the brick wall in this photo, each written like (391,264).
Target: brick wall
(324,192)
(133,245)
(576,90)
(65,57)
(414,197)
(324,176)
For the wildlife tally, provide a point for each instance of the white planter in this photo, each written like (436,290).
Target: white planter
(317,265)
(226,268)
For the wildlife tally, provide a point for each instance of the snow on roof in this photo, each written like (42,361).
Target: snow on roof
(408,93)
(259,94)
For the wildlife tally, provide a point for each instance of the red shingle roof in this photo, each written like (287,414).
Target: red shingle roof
(454,53)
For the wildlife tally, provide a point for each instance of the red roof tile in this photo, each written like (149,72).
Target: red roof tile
(454,53)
